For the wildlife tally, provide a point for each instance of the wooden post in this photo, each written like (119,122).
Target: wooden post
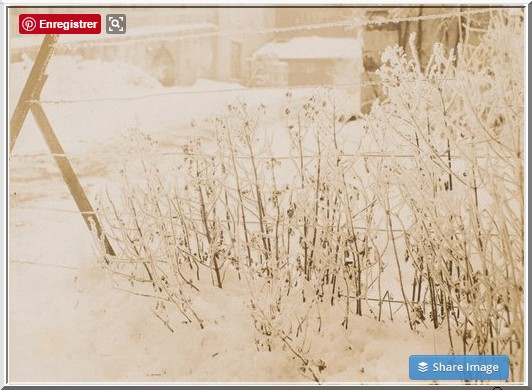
(69,176)
(29,100)
(32,88)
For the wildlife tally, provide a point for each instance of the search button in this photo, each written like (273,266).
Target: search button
(115,24)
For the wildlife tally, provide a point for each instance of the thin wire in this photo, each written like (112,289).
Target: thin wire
(54,209)
(229,33)
(239,157)
(240,89)
(43,264)
(222,221)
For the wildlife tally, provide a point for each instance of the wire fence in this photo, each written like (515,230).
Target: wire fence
(348,24)
(223,221)
(236,89)
(273,158)
(355,23)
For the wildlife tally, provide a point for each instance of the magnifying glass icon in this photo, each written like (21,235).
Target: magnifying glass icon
(115,23)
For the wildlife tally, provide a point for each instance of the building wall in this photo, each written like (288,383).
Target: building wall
(221,57)
(311,72)
(233,50)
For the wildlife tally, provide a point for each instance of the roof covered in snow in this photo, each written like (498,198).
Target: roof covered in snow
(313,47)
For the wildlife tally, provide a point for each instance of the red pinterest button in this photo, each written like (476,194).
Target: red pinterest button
(59,24)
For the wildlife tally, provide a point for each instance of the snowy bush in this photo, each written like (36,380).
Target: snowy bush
(460,191)
(299,224)
(151,258)
(429,187)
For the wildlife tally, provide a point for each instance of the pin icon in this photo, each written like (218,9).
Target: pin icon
(29,24)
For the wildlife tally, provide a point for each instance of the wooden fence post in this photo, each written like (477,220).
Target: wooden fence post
(29,100)
(32,88)
(69,176)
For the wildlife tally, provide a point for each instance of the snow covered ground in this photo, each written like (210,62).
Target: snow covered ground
(67,323)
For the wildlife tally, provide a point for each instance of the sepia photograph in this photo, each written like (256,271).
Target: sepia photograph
(266,195)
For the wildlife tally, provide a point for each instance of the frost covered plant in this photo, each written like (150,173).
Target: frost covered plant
(431,186)
(459,120)
(332,218)
(282,322)
(237,206)
(153,256)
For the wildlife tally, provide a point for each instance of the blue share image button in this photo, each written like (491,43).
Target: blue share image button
(459,367)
